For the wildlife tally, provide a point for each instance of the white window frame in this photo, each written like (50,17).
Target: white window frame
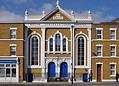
(85,45)
(66,44)
(113,69)
(114,51)
(39,56)
(13,45)
(15,32)
(114,29)
(61,43)
(100,45)
(99,34)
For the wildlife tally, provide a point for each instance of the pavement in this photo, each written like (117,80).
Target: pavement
(62,84)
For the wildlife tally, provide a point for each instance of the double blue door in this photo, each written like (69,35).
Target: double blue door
(52,69)
(64,70)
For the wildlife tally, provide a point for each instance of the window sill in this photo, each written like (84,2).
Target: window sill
(57,52)
(112,39)
(113,56)
(112,75)
(81,66)
(34,66)
(12,38)
(99,56)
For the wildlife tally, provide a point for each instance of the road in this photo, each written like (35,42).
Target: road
(62,84)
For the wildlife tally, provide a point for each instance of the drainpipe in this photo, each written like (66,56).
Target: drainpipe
(72,27)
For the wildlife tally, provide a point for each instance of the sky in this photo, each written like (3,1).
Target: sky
(102,10)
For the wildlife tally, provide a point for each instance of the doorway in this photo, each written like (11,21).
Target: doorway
(99,72)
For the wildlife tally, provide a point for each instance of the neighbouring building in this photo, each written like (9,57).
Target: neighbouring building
(57,46)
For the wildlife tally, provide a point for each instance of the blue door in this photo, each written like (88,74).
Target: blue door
(63,69)
(51,69)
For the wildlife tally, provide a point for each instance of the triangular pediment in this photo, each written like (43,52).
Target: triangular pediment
(57,14)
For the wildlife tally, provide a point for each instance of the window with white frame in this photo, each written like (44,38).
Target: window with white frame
(34,50)
(112,69)
(64,44)
(112,50)
(12,50)
(113,33)
(99,50)
(80,51)
(57,42)
(13,33)
(7,70)
(99,33)
(51,44)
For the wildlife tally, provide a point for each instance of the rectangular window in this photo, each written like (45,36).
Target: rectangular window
(112,69)
(99,34)
(13,33)
(113,34)
(7,70)
(112,51)
(99,51)
(12,50)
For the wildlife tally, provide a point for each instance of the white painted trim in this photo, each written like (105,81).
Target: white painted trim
(115,29)
(108,80)
(16,79)
(13,28)
(13,45)
(100,34)
(11,39)
(115,68)
(113,45)
(99,28)
(12,56)
(61,26)
(66,44)
(48,43)
(100,45)
(34,34)
(85,46)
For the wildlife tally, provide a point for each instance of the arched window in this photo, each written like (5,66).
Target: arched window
(64,44)
(35,50)
(51,44)
(57,42)
(80,51)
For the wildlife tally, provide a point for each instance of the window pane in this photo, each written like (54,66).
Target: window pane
(2,65)
(2,72)
(99,52)
(112,34)
(99,34)
(13,50)
(51,44)
(80,51)
(57,42)
(13,33)
(14,72)
(13,65)
(7,65)
(34,51)
(7,72)
(64,44)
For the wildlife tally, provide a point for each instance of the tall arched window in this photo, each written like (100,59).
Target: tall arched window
(51,44)
(57,42)
(35,50)
(64,44)
(80,51)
